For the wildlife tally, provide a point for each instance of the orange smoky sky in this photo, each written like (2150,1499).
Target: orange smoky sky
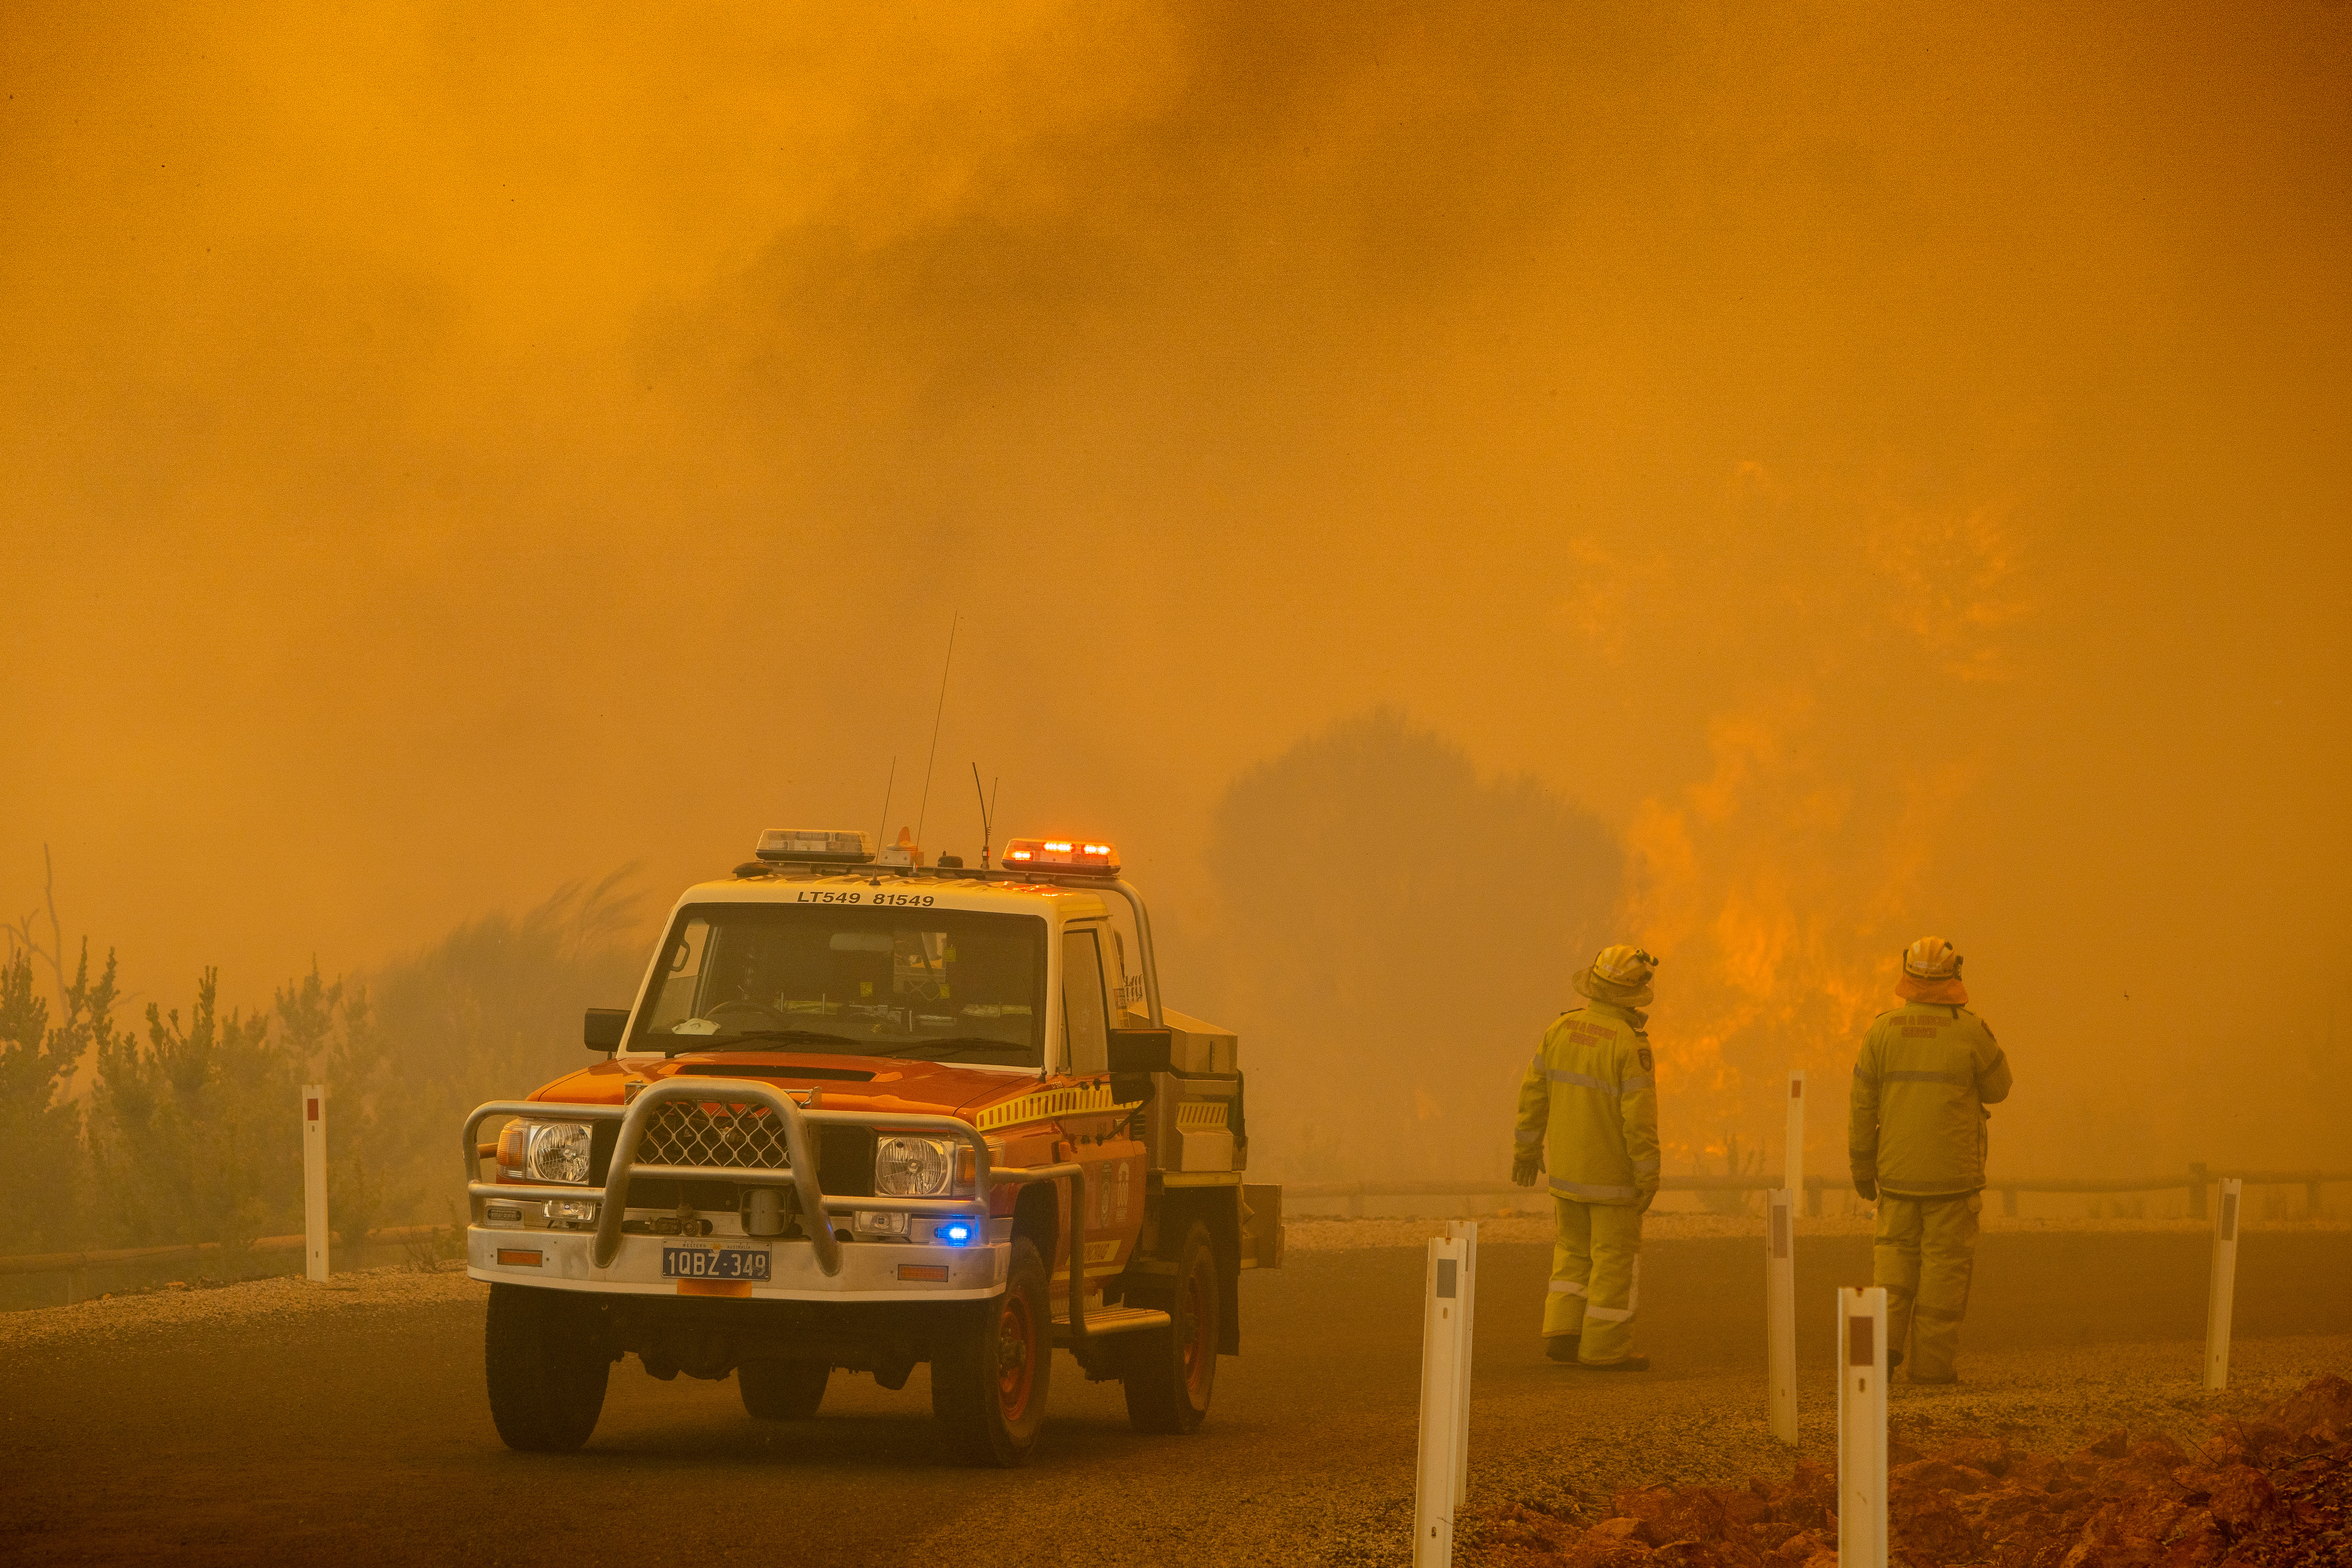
(1888,464)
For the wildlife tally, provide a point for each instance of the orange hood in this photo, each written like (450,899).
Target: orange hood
(840,1082)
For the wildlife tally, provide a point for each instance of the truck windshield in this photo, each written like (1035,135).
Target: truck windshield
(936,984)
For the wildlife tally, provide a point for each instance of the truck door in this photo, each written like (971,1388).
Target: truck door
(1098,1140)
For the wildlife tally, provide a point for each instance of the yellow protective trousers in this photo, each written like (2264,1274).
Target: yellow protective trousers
(1596,1278)
(1924,1255)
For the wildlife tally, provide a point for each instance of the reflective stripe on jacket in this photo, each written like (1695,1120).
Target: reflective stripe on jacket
(1917,1125)
(1590,1101)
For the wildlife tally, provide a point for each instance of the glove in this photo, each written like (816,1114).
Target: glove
(1643,1204)
(1523,1172)
(1867,1188)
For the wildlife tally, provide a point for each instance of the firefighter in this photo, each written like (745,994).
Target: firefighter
(1916,1135)
(1589,1104)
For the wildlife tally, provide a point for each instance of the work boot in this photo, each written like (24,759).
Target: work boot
(1561,1347)
(1622,1363)
(1893,1360)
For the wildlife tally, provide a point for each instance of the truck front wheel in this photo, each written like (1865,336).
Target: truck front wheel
(547,1360)
(1172,1372)
(783,1390)
(991,1369)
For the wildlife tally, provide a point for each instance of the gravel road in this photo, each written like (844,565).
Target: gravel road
(280,1420)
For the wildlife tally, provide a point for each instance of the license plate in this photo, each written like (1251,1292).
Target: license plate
(714,1263)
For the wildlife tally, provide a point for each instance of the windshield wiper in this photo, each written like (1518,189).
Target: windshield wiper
(953,1045)
(754,1038)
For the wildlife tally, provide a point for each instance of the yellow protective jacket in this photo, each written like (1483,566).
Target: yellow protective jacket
(1590,1101)
(1925,1074)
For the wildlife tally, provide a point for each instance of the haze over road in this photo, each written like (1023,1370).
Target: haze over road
(362,1433)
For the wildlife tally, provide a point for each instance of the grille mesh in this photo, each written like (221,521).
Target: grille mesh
(741,1137)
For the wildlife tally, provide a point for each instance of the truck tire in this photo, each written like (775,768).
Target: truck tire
(991,1369)
(1172,1372)
(782,1390)
(546,1362)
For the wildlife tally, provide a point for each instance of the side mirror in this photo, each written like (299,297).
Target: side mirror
(604,1028)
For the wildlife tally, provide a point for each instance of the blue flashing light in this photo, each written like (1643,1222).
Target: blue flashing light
(956,1234)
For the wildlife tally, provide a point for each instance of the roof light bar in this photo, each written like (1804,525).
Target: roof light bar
(1062,854)
(828,845)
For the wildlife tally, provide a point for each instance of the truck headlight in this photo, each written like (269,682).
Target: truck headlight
(913,1167)
(555,1151)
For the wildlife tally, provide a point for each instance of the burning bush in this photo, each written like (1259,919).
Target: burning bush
(2273,1490)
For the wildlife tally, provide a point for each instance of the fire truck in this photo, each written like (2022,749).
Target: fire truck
(867,1113)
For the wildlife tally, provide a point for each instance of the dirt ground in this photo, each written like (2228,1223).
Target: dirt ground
(284,1422)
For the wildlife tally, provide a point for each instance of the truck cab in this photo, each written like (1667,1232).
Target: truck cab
(867,1113)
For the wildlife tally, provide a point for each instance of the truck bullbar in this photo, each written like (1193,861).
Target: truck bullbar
(801,1175)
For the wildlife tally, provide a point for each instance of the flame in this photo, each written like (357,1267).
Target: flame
(1778,885)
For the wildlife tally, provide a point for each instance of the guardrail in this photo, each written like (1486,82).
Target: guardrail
(2195,1181)
(64,1262)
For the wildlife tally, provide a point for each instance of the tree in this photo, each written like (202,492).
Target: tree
(328,1033)
(1403,932)
(44,1175)
(491,1011)
(192,1135)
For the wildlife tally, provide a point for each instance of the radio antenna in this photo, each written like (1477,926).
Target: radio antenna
(987,816)
(936,717)
(885,805)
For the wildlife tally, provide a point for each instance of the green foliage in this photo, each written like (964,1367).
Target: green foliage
(491,1012)
(331,1031)
(193,1133)
(42,1172)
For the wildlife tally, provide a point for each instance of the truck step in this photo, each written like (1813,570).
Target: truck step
(1115,1321)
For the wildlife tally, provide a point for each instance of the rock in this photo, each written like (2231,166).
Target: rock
(2240,1496)
(2113,1445)
(1598,1550)
(1515,1524)
(1990,1454)
(2036,1471)
(1809,1499)
(1940,1475)
(2108,1552)
(2196,1542)
(2324,1402)
(1669,1514)
(1689,1554)
(1929,1527)
(1620,1527)
(2150,1464)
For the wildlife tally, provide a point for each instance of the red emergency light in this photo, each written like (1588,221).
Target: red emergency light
(1062,855)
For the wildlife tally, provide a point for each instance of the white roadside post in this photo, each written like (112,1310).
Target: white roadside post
(314,1180)
(1443,1359)
(1781,1273)
(1793,1168)
(1781,1313)
(1465,1231)
(1861,1428)
(2223,1291)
